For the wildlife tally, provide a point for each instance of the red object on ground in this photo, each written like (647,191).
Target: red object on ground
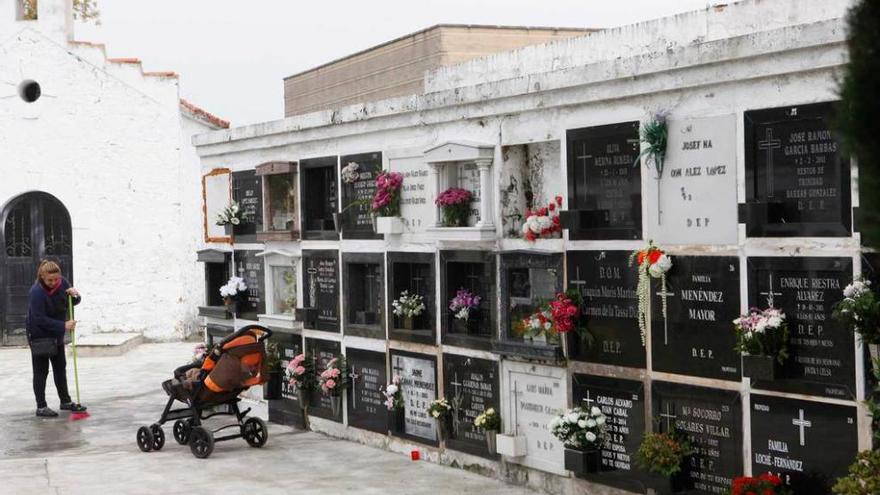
(415,455)
(76,416)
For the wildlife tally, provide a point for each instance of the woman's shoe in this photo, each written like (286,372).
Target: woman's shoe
(45,412)
(72,407)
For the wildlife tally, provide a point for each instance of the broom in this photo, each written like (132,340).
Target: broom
(75,415)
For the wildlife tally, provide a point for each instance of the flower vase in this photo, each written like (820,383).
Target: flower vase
(666,485)
(231,306)
(491,436)
(582,461)
(541,338)
(409,323)
(397,420)
(272,388)
(337,222)
(228,229)
(760,367)
(442,429)
(303,397)
(336,405)
(388,225)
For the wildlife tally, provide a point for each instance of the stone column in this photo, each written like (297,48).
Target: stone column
(436,189)
(486,211)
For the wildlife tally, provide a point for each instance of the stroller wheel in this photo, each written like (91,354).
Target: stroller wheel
(255,432)
(158,436)
(181,431)
(201,442)
(145,439)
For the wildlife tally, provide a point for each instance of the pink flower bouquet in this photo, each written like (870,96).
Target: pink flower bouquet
(386,200)
(334,380)
(456,205)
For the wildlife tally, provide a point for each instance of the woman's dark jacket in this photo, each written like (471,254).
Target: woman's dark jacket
(48,312)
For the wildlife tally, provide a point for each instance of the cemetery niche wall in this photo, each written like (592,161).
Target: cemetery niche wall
(418,383)
(412,273)
(797,175)
(471,387)
(320,290)
(280,216)
(288,409)
(607,284)
(319,198)
(527,281)
(364,284)
(465,275)
(250,267)
(358,187)
(604,188)
(366,402)
(322,351)
(247,190)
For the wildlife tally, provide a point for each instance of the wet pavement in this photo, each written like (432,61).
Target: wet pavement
(59,456)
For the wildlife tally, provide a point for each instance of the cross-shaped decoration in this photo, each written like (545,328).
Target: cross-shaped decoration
(353,374)
(416,284)
(398,368)
(514,397)
(371,277)
(578,282)
(584,157)
(313,283)
(769,144)
(588,400)
(669,417)
(457,399)
(473,278)
(769,293)
(663,294)
(801,423)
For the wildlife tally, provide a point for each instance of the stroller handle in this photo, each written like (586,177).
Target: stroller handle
(263,334)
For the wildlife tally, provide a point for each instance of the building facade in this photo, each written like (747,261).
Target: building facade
(99,173)
(754,204)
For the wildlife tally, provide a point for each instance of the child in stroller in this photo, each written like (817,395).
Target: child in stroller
(211,387)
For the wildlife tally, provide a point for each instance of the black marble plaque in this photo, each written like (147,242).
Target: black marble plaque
(358,219)
(474,271)
(696,337)
(366,402)
(608,286)
(471,386)
(623,403)
(322,351)
(796,168)
(418,384)
(711,419)
(603,184)
(413,272)
(321,287)
(247,190)
(807,444)
(821,360)
(250,267)
(319,197)
(287,410)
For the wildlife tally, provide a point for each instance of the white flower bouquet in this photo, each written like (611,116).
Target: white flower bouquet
(350,173)
(233,288)
(762,333)
(580,428)
(231,215)
(408,305)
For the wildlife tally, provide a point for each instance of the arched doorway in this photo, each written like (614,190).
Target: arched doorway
(33,226)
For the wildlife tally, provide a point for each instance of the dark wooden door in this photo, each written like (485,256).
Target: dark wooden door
(34,226)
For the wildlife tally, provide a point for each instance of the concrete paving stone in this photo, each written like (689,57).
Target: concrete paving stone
(98,455)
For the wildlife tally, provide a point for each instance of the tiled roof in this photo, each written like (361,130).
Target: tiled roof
(203,115)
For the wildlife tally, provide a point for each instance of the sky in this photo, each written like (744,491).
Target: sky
(232,55)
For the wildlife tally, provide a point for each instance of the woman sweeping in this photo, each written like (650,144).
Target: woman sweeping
(46,326)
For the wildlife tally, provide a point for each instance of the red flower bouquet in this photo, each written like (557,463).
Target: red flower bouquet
(765,484)
(543,222)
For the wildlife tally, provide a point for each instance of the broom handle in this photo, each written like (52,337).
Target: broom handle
(73,339)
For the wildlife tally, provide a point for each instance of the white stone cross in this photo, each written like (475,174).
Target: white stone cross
(313,285)
(663,294)
(578,282)
(584,157)
(769,293)
(769,144)
(457,399)
(354,376)
(669,416)
(802,423)
(588,400)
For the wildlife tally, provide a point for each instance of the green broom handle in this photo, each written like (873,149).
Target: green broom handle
(73,339)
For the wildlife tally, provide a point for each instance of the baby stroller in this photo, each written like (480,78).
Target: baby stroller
(211,388)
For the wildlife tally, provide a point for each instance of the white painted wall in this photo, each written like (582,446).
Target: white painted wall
(113,146)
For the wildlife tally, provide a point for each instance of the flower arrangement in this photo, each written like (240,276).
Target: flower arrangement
(440,409)
(765,484)
(408,305)
(488,420)
(654,135)
(393,394)
(863,477)
(652,262)
(199,352)
(564,312)
(538,323)
(860,311)
(558,316)
(463,302)
(386,200)
(762,333)
(232,290)
(301,372)
(349,173)
(580,428)
(455,203)
(544,222)
(231,215)
(333,380)
(662,453)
